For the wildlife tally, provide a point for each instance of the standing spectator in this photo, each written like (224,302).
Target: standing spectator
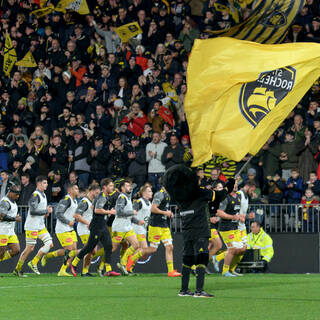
(313,183)
(137,166)
(294,186)
(78,151)
(98,160)
(173,153)
(4,153)
(26,190)
(154,152)
(4,183)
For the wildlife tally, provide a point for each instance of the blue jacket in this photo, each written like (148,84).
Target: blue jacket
(296,192)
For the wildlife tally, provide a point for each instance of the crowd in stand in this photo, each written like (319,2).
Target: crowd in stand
(95,107)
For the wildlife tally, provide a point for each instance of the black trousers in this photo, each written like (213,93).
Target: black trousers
(195,247)
(96,235)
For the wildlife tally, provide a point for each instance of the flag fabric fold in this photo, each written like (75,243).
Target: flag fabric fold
(239,92)
(27,61)
(10,56)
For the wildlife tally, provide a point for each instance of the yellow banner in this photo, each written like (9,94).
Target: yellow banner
(10,56)
(268,22)
(232,106)
(79,6)
(43,11)
(27,61)
(128,31)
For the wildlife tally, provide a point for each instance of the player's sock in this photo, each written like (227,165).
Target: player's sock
(225,268)
(72,253)
(99,253)
(52,254)
(6,256)
(221,255)
(85,270)
(235,262)
(108,267)
(186,270)
(201,270)
(102,263)
(170,266)
(75,261)
(137,256)
(63,268)
(35,260)
(130,251)
(19,265)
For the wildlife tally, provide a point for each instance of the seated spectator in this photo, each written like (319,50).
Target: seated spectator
(259,239)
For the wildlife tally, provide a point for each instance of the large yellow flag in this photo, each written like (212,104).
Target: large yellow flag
(128,31)
(10,56)
(267,23)
(239,92)
(27,61)
(79,6)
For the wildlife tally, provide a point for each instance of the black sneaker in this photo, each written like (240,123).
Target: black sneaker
(185,293)
(18,273)
(88,274)
(202,294)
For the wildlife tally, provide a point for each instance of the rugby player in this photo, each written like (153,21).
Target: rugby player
(229,212)
(35,226)
(122,228)
(158,231)
(83,215)
(98,231)
(64,230)
(9,243)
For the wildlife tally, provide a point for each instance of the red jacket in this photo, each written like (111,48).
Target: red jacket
(136,126)
(79,74)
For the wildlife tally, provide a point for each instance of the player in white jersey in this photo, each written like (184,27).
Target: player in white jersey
(122,225)
(9,243)
(143,208)
(83,215)
(64,230)
(35,226)
(245,193)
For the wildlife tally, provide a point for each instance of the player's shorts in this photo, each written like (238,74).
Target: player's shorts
(67,238)
(118,236)
(244,237)
(157,234)
(35,234)
(6,239)
(84,238)
(141,237)
(232,238)
(214,234)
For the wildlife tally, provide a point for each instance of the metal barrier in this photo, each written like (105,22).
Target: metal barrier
(273,218)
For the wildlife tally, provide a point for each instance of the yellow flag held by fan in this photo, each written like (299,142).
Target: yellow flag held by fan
(268,22)
(27,61)
(79,6)
(239,92)
(10,56)
(43,11)
(128,31)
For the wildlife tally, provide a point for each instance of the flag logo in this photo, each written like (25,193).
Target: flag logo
(259,97)
(275,19)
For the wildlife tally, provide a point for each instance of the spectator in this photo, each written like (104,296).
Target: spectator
(309,212)
(214,178)
(313,183)
(26,190)
(78,151)
(154,152)
(73,179)
(55,190)
(294,187)
(137,165)
(173,153)
(4,183)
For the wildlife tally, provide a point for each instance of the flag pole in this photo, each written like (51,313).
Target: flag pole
(243,167)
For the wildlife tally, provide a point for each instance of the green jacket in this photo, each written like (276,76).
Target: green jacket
(263,242)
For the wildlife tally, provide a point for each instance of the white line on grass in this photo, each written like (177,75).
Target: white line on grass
(35,285)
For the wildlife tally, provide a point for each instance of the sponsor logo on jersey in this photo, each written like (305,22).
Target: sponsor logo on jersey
(69,240)
(4,240)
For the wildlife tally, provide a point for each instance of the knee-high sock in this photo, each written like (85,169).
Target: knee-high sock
(235,261)
(99,253)
(130,251)
(200,276)
(186,270)
(6,256)
(221,255)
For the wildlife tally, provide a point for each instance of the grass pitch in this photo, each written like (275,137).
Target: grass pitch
(154,297)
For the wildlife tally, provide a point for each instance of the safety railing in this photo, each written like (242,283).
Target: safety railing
(273,218)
